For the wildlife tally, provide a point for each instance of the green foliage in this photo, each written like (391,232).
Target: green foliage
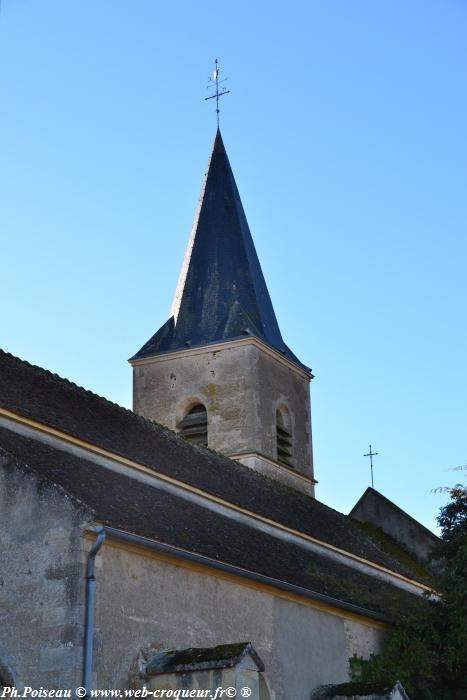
(408,655)
(427,650)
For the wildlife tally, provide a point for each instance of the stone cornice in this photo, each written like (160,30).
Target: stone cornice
(225,345)
(276,465)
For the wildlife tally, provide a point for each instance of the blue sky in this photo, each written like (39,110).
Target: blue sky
(346,130)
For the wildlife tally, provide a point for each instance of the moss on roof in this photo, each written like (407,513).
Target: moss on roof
(201,658)
(396,549)
(370,592)
(200,655)
(125,503)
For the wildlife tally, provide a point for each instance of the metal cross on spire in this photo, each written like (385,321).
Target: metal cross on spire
(371,454)
(214,82)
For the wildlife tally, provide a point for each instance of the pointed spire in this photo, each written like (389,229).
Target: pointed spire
(221,292)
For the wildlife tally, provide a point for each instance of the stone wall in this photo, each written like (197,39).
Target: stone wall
(148,602)
(41,580)
(241,386)
(375,508)
(144,601)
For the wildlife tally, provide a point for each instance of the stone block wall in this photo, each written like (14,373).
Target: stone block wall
(41,579)
(241,387)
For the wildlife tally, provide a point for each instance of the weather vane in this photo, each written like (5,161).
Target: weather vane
(371,454)
(220,90)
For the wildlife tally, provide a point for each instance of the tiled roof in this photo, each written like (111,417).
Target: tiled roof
(46,398)
(130,505)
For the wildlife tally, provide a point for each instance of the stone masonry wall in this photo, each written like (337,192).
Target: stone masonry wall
(374,508)
(241,387)
(41,580)
(145,602)
(142,602)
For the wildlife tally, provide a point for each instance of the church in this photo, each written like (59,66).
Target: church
(179,549)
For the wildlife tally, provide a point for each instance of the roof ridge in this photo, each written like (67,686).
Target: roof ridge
(134,416)
(90,392)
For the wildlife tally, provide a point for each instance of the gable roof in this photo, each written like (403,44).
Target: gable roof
(373,509)
(372,494)
(38,395)
(221,293)
(201,658)
(127,505)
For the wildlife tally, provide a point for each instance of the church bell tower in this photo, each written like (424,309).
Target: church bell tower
(218,371)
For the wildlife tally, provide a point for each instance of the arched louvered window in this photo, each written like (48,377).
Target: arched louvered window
(194,426)
(283,437)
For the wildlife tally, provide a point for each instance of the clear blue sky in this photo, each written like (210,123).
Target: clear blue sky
(346,128)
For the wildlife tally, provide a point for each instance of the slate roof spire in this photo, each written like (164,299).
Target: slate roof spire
(221,292)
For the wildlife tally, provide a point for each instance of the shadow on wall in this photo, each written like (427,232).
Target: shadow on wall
(8,678)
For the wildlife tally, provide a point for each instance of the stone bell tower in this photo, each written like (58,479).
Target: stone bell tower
(218,371)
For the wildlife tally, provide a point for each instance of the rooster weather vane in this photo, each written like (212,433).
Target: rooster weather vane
(216,84)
